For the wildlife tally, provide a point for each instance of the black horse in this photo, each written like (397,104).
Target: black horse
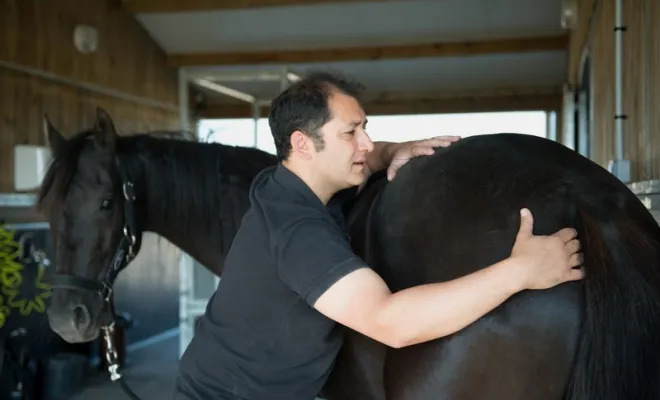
(443,216)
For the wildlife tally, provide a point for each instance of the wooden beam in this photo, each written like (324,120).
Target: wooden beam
(513,102)
(171,6)
(544,102)
(448,49)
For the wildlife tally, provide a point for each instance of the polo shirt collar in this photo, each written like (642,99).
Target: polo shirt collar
(292,182)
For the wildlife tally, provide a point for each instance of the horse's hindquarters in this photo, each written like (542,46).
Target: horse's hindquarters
(523,350)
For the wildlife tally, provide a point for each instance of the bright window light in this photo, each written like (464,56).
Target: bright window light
(395,128)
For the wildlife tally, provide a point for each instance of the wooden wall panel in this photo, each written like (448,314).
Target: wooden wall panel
(38,34)
(602,60)
(579,37)
(24,100)
(640,83)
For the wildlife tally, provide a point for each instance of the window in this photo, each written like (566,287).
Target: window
(394,128)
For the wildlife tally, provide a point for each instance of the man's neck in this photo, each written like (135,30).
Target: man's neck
(312,179)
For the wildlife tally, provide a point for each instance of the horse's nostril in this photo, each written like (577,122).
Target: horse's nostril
(81,319)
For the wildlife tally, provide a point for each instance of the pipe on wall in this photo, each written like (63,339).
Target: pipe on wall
(618,166)
(647,105)
(618,73)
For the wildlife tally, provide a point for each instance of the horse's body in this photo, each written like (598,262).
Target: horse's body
(442,217)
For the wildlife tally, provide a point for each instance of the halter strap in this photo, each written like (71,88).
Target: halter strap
(127,249)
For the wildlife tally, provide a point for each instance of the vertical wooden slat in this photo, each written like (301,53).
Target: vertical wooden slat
(579,37)
(602,45)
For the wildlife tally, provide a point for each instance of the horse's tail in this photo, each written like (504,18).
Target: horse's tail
(619,347)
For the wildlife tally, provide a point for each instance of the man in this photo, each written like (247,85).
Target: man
(291,282)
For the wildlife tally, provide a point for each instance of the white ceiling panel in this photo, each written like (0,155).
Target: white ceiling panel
(354,24)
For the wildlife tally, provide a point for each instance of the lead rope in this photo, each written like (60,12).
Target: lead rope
(130,232)
(113,360)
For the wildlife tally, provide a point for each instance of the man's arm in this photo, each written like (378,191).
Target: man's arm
(363,302)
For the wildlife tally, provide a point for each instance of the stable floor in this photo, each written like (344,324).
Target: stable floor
(150,373)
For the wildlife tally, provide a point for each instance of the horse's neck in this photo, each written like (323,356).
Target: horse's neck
(360,219)
(195,194)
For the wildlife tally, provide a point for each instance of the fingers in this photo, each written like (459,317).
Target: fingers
(567,234)
(573,246)
(422,151)
(419,148)
(437,142)
(392,170)
(526,223)
(391,173)
(576,274)
(575,260)
(450,138)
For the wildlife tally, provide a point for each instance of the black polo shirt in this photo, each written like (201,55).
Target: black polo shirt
(260,338)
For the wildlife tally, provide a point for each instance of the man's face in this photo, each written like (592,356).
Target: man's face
(343,159)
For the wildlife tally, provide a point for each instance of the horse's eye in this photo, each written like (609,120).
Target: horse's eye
(106,204)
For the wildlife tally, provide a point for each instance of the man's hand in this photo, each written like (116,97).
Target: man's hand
(407,150)
(546,261)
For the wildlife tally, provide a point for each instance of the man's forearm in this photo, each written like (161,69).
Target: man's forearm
(381,156)
(436,310)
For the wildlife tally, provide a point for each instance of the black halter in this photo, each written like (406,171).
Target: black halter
(128,247)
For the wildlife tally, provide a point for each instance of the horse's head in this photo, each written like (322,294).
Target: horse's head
(83,199)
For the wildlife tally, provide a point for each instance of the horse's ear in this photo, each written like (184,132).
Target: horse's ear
(105,134)
(54,138)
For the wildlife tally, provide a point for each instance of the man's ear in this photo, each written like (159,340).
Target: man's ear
(301,144)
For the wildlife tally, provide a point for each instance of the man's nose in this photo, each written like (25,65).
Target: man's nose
(366,143)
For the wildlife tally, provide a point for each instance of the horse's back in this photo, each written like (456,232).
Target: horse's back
(457,211)
(451,214)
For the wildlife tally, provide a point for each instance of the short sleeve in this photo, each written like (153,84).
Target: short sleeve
(312,255)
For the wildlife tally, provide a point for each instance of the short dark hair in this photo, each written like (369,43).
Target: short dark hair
(304,106)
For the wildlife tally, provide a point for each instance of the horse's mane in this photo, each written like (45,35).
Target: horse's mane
(209,179)
(192,172)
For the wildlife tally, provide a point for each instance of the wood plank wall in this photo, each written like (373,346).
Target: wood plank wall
(39,34)
(641,81)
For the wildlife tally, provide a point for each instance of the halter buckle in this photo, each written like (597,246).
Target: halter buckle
(129,192)
(107,291)
(130,235)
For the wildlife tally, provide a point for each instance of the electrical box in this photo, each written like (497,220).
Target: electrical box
(30,165)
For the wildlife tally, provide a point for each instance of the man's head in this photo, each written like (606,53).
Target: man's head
(319,124)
